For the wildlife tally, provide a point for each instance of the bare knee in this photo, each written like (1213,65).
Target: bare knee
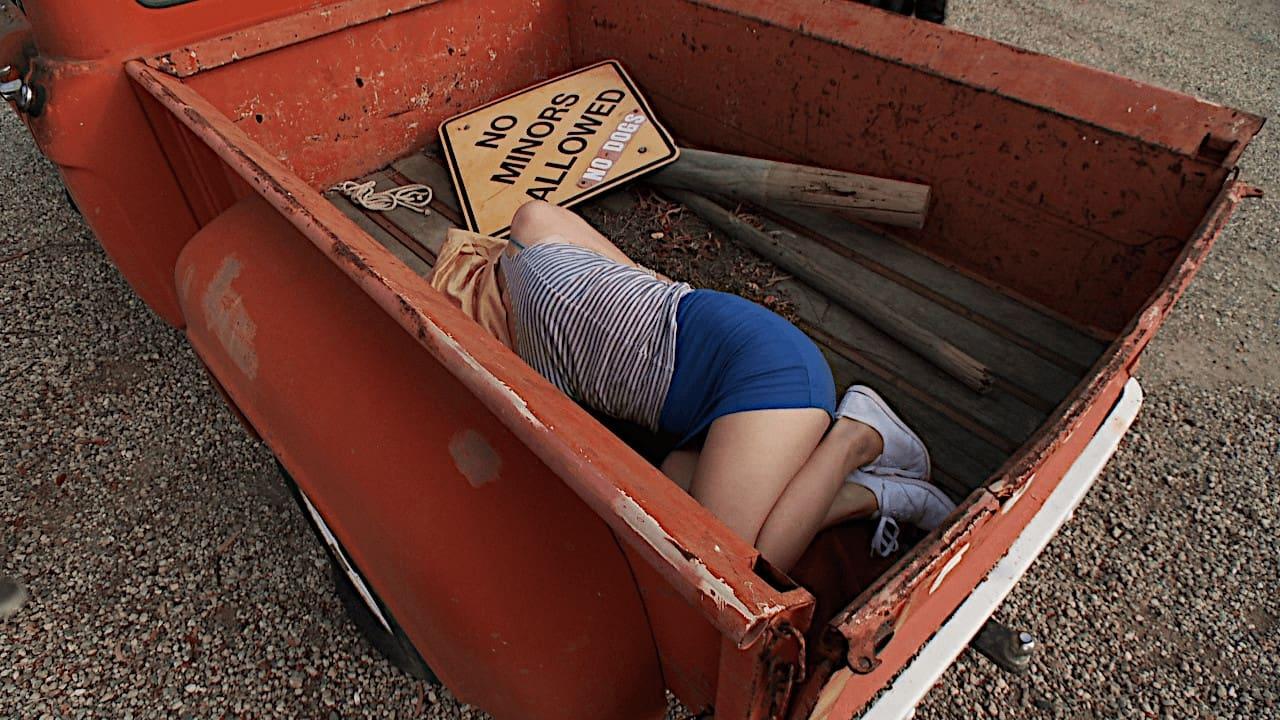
(535,220)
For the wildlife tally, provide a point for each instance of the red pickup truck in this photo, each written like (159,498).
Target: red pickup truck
(486,527)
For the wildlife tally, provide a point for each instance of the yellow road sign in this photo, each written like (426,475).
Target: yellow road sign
(562,141)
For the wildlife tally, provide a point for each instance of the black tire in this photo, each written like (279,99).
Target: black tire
(394,645)
(389,639)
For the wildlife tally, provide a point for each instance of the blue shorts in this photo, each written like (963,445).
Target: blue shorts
(733,355)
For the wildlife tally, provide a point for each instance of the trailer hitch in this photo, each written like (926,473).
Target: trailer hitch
(16,52)
(1009,649)
(27,97)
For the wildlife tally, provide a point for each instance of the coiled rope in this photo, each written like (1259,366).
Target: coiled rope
(414,197)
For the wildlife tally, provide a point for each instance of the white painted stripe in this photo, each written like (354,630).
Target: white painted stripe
(900,699)
(356,580)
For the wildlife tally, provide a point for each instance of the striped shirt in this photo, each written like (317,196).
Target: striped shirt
(602,332)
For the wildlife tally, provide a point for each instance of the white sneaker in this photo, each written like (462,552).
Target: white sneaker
(902,500)
(904,454)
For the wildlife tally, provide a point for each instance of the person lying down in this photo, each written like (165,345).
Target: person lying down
(761,441)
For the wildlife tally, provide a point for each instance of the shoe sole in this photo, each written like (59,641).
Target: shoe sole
(884,407)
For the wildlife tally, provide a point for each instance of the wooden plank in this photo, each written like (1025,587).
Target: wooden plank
(953,450)
(428,170)
(998,413)
(1017,370)
(428,230)
(767,182)
(384,238)
(791,256)
(983,301)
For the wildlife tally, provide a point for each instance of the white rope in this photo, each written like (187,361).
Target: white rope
(414,197)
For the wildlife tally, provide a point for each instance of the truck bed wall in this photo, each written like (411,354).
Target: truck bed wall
(511,588)
(1032,191)
(1072,187)
(348,102)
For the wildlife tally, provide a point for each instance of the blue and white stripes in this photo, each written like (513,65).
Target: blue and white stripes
(602,332)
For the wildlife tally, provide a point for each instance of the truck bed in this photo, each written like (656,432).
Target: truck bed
(1036,358)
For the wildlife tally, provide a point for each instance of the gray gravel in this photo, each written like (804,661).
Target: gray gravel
(1160,598)
(148,600)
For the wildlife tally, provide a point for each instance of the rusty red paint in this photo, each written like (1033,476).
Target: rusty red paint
(503,588)
(759,685)
(275,34)
(16,44)
(1039,167)
(998,512)
(378,89)
(225,314)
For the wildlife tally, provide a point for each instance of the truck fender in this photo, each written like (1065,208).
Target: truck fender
(514,592)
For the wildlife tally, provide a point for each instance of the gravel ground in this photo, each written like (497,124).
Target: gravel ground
(1158,599)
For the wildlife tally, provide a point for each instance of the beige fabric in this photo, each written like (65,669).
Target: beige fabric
(467,273)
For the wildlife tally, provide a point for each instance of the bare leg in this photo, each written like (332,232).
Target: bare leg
(851,502)
(771,476)
(805,505)
(748,460)
(537,222)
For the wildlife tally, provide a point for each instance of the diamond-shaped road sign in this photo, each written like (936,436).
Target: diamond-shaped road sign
(562,141)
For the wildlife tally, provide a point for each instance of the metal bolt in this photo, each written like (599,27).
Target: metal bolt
(14,89)
(1026,643)
(10,82)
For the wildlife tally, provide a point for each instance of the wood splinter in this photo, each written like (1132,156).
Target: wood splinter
(947,357)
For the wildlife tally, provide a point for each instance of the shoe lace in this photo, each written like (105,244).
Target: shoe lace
(885,540)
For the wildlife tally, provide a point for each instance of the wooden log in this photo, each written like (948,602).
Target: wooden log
(947,357)
(765,182)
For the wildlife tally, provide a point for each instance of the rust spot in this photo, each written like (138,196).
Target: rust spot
(474,457)
(226,316)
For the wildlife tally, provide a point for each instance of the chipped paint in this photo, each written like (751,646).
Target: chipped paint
(517,401)
(225,314)
(830,694)
(652,533)
(1017,495)
(572,452)
(474,457)
(946,569)
(187,282)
